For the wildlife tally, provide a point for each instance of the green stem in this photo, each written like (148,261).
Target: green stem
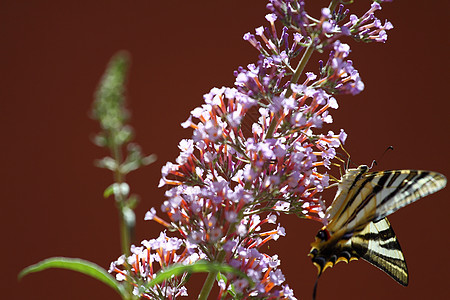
(124,234)
(209,282)
(119,178)
(333,5)
(125,238)
(294,79)
(301,66)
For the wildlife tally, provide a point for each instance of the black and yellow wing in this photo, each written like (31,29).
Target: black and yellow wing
(378,245)
(363,196)
(357,224)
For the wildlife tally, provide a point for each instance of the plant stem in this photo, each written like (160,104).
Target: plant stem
(333,4)
(295,77)
(119,178)
(301,66)
(124,234)
(125,239)
(209,282)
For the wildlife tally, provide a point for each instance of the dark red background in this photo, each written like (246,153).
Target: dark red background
(52,56)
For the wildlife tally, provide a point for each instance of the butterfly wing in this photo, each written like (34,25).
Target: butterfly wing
(403,187)
(378,245)
(357,225)
(364,197)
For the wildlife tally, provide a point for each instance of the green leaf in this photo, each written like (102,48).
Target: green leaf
(135,159)
(106,163)
(149,159)
(202,266)
(108,191)
(132,202)
(75,264)
(221,276)
(231,291)
(117,189)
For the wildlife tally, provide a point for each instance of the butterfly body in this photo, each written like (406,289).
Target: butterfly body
(356,223)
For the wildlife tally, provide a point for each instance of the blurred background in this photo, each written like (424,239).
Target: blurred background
(52,56)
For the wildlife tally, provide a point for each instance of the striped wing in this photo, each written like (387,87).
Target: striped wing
(364,197)
(357,224)
(378,245)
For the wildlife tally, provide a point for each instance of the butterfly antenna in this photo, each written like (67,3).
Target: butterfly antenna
(387,149)
(374,162)
(348,158)
(315,285)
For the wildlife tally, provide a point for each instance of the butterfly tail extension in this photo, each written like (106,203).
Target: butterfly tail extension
(315,286)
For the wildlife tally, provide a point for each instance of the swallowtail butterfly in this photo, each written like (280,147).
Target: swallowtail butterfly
(357,226)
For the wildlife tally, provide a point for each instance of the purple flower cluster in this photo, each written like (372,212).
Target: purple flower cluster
(156,254)
(257,150)
(228,172)
(332,25)
(338,76)
(261,268)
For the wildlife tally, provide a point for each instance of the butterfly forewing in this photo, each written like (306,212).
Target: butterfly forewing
(404,187)
(373,196)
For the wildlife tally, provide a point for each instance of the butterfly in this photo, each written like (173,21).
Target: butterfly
(357,224)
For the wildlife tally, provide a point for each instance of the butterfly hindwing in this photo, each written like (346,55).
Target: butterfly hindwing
(378,245)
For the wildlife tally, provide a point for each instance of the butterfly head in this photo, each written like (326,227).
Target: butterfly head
(316,249)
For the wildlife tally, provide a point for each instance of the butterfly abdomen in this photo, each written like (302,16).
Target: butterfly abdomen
(327,252)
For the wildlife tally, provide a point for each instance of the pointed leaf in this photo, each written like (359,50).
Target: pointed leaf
(149,159)
(75,264)
(108,191)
